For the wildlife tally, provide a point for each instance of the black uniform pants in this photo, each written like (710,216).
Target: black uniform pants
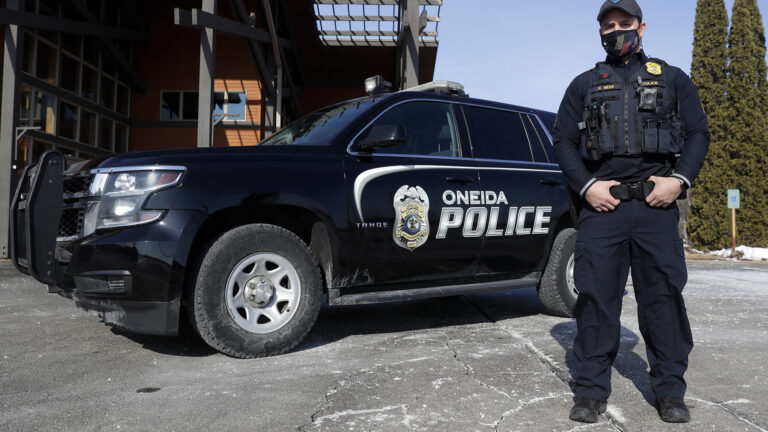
(609,243)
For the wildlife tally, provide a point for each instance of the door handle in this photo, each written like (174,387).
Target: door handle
(550,181)
(460,179)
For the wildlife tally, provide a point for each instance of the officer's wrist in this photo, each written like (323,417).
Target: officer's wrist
(683,184)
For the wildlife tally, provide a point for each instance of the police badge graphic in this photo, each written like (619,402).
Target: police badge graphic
(411,227)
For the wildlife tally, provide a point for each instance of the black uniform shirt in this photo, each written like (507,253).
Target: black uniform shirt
(582,173)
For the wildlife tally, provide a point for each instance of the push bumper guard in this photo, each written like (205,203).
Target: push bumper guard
(35,213)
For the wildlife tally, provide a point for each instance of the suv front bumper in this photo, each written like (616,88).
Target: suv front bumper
(131,277)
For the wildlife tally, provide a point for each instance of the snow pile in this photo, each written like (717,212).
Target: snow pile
(749,253)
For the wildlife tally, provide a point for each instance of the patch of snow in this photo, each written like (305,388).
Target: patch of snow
(749,253)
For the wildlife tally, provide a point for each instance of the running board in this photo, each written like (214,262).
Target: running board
(530,280)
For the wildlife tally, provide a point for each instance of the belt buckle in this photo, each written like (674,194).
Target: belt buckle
(635,190)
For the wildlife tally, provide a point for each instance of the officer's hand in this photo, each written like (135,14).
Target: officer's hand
(599,195)
(665,191)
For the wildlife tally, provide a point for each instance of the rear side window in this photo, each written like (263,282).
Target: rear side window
(430,129)
(536,137)
(497,134)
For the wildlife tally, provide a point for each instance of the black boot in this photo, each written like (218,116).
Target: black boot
(586,410)
(673,410)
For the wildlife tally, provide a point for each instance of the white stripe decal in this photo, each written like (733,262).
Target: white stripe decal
(366,177)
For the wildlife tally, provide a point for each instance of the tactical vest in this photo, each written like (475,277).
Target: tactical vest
(630,116)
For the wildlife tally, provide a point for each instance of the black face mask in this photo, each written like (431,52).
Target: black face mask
(621,43)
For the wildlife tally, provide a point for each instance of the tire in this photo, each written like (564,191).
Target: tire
(257,292)
(556,290)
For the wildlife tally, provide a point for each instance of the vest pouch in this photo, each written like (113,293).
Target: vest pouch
(664,138)
(589,147)
(650,138)
(606,143)
(676,132)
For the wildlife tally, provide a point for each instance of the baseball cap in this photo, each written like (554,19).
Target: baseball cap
(629,6)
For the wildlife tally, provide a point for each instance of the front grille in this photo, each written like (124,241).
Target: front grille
(77,184)
(76,189)
(71,222)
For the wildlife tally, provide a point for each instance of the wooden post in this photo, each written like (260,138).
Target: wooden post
(733,231)
(9,116)
(206,80)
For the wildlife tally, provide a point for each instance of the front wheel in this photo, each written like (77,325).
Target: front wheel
(257,292)
(557,290)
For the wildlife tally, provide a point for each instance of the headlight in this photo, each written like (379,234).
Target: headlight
(123,193)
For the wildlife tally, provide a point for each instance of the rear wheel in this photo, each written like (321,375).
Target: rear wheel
(557,290)
(257,292)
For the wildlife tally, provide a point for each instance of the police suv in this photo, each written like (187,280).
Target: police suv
(395,196)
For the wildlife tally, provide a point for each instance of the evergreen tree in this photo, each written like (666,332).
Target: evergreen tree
(746,121)
(708,224)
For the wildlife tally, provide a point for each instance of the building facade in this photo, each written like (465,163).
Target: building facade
(93,78)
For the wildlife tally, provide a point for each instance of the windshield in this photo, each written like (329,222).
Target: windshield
(322,126)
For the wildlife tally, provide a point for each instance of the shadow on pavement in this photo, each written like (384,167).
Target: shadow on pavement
(335,323)
(338,322)
(186,344)
(628,363)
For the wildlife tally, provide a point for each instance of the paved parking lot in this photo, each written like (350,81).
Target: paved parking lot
(481,362)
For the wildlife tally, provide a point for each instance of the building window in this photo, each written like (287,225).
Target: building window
(90,84)
(87,127)
(105,134)
(171,106)
(77,65)
(108,92)
(68,121)
(189,102)
(46,62)
(233,104)
(70,73)
(178,105)
(44,112)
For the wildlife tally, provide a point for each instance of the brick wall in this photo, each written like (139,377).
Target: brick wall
(171,62)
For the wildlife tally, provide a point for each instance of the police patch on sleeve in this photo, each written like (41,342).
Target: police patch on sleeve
(653,68)
(411,227)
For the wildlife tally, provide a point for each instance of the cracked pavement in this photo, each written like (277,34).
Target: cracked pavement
(490,362)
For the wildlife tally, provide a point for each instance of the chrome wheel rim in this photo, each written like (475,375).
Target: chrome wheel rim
(263,292)
(569,277)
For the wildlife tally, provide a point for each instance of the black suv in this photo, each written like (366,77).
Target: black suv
(395,196)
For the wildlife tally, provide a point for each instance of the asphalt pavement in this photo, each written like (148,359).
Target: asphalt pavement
(469,363)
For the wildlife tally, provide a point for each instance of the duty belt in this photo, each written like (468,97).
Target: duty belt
(630,191)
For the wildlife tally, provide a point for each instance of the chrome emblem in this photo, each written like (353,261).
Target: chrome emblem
(411,227)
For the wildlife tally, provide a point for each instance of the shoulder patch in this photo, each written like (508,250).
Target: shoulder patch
(653,68)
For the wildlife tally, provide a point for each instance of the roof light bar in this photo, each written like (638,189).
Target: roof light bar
(377,85)
(441,87)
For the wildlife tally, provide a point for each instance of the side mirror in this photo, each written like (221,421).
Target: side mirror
(389,135)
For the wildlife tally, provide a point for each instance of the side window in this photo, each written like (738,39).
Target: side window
(545,139)
(536,138)
(497,134)
(429,127)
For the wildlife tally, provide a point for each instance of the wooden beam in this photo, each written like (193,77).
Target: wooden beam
(276,50)
(367,18)
(9,117)
(372,42)
(63,25)
(197,18)
(238,9)
(206,80)
(377,2)
(72,98)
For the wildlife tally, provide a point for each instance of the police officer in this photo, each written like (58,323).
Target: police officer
(630,136)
